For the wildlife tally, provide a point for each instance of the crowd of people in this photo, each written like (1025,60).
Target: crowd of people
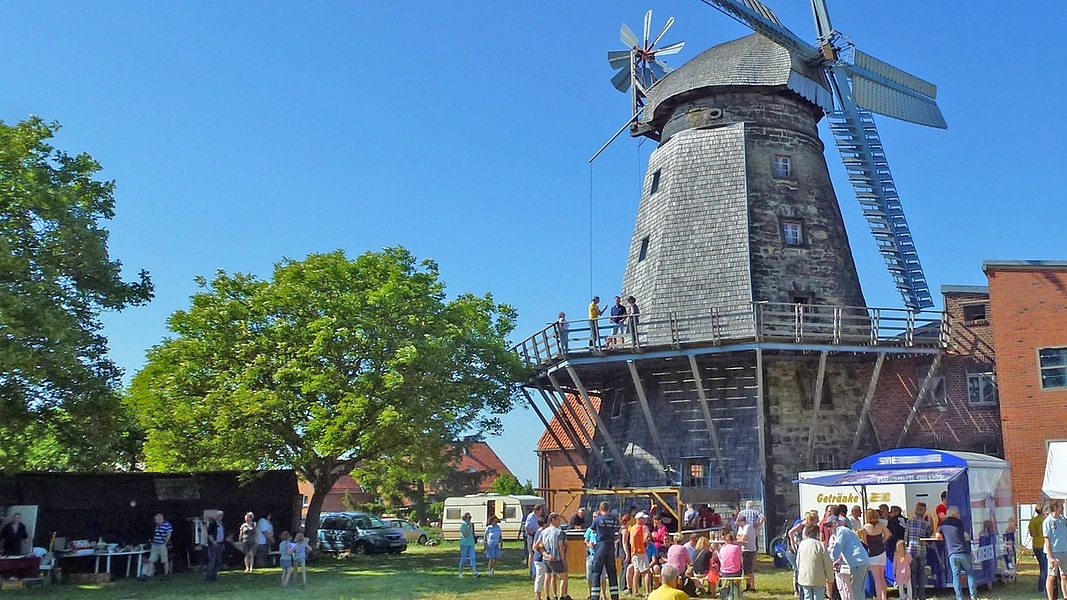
(650,547)
(835,552)
(254,539)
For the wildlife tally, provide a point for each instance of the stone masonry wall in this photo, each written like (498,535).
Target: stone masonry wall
(790,390)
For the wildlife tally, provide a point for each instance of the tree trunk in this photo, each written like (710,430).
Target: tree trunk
(321,484)
(418,502)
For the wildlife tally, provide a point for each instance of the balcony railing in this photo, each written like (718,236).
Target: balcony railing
(757,321)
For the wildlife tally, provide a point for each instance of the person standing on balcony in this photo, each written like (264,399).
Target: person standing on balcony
(594,315)
(618,317)
(562,331)
(632,314)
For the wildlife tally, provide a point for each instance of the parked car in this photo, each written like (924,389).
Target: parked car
(411,531)
(359,533)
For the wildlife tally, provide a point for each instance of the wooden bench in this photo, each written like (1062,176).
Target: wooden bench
(735,586)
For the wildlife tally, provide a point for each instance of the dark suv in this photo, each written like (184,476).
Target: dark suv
(359,533)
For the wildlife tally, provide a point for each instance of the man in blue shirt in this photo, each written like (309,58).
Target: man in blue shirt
(958,549)
(1055,531)
(845,546)
(160,539)
(530,528)
(605,525)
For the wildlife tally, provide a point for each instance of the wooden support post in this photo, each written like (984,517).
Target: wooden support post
(866,406)
(573,411)
(760,425)
(923,389)
(565,422)
(602,427)
(698,380)
(552,433)
(816,401)
(648,412)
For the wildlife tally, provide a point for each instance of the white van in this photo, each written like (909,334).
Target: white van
(511,510)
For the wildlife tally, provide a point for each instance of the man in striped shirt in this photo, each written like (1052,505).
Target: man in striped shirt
(160,539)
(917,528)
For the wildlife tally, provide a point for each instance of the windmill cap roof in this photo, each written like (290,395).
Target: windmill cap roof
(749,61)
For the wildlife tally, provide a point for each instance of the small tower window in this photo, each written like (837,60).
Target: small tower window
(643,253)
(783,167)
(792,233)
(975,312)
(655,182)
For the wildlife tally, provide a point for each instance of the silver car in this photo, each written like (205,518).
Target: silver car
(411,531)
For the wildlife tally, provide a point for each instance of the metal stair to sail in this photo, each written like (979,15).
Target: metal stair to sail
(865,162)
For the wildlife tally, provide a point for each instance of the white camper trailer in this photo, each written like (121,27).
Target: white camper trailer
(511,510)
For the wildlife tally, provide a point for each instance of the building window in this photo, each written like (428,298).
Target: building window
(783,167)
(655,182)
(975,312)
(643,253)
(616,405)
(1053,362)
(304,500)
(936,394)
(824,461)
(982,388)
(696,472)
(807,298)
(792,233)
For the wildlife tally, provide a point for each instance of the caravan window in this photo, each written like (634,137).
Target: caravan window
(511,512)
(452,514)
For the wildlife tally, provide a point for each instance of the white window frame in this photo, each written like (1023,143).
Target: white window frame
(989,396)
(1052,369)
(788,238)
(782,166)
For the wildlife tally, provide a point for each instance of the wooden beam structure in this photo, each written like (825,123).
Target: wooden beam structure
(602,427)
(643,401)
(865,411)
(816,401)
(923,389)
(712,433)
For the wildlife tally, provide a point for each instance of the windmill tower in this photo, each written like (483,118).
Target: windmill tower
(755,356)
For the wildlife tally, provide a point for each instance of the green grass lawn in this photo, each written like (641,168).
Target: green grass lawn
(420,573)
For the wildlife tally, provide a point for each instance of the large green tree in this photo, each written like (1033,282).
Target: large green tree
(58,402)
(330,364)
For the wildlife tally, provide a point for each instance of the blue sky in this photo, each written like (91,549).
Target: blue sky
(239,133)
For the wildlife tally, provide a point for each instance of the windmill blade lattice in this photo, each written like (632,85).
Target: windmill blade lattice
(638,67)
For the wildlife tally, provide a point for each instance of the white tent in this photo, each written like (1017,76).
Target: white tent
(1055,484)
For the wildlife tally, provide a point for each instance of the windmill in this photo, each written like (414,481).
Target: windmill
(638,67)
(861,87)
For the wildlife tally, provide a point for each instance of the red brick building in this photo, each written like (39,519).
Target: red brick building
(960,410)
(1028,301)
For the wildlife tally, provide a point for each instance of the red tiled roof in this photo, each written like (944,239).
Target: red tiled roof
(481,458)
(584,425)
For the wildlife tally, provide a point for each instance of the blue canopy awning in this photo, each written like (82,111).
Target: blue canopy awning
(884,476)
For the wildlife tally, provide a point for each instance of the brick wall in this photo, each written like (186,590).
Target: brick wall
(1028,312)
(556,473)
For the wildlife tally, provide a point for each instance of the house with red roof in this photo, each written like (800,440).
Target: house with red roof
(477,467)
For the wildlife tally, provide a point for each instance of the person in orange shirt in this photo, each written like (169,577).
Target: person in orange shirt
(639,565)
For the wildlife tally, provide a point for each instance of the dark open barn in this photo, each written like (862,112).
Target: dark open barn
(119,507)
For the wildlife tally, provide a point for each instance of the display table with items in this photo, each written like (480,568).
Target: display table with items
(76,559)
